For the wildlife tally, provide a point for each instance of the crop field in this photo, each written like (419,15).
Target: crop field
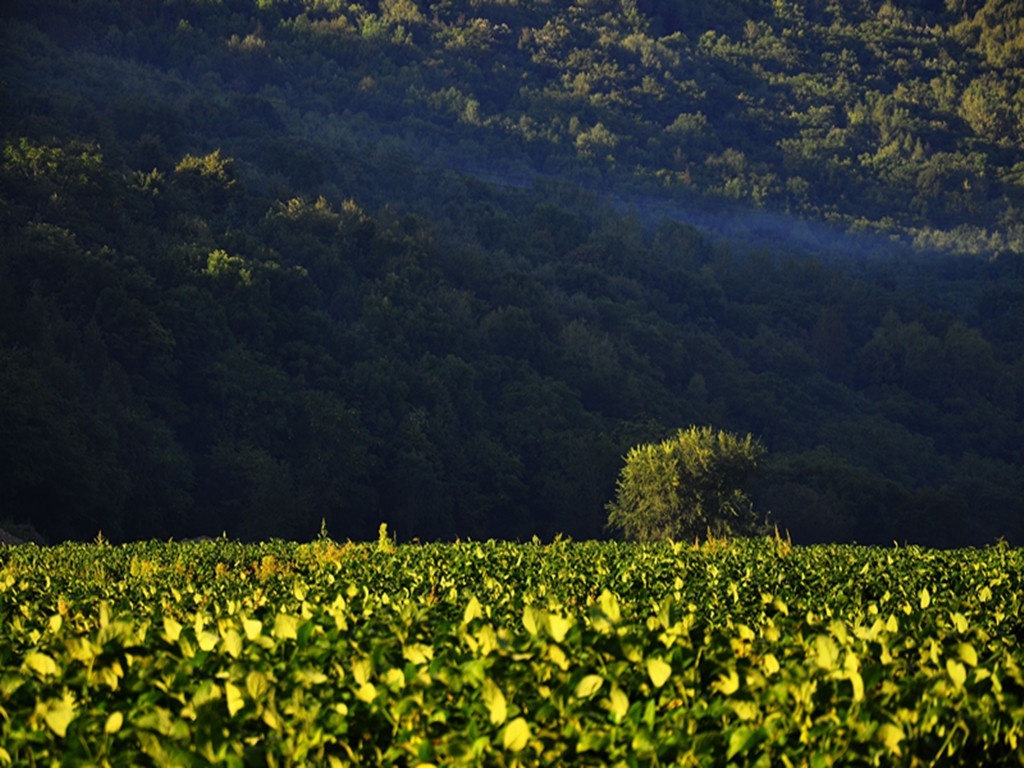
(745,653)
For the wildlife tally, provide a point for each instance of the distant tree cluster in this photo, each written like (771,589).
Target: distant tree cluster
(902,118)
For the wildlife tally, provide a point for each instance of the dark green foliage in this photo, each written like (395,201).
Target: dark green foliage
(265,264)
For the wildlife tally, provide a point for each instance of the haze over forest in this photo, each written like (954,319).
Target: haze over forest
(267,263)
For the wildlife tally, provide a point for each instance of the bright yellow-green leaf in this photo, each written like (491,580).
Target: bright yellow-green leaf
(892,625)
(5,757)
(532,617)
(727,684)
(418,653)
(41,664)
(891,735)
(858,684)
(311,676)
(558,626)
(588,686)
(591,741)
(114,722)
(968,655)
(59,714)
(959,622)
(770,664)
(367,692)
(257,685)
(925,597)
(172,629)
(826,652)
(286,626)
(55,623)
(517,735)
(745,710)
(232,643)
(109,676)
(473,611)
(252,628)
(361,669)
(618,703)
(738,740)
(82,649)
(659,671)
(494,700)
(609,605)
(269,716)
(235,699)
(394,678)
(558,657)
(957,672)
(487,638)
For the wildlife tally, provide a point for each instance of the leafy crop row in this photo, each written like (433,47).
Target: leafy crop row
(747,653)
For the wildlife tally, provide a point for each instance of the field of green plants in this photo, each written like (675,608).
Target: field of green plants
(738,653)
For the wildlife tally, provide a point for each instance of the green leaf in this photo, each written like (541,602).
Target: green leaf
(957,672)
(59,714)
(739,740)
(172,629)
(257,685)
(558,626)
(114,722)
(826,652)
(857,682)
(473,611)
(609,605)
(968,655)
(494,700)
(367,692)
(235,699)
(207,641)
(727,684)
(890,735)
(41,664)
(588,686)
(925,598)
(591,741)
(252,628)
(517,735)
(659,671)
(618,703)
(232,642)
(286,626)
(417,653)
(361,670)
(532,617)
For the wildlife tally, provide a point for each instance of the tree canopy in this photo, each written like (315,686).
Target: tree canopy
(688,486)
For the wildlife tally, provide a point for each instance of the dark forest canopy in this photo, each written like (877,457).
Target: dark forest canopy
(441,264)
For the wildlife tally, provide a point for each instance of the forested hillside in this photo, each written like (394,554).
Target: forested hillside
(441,264)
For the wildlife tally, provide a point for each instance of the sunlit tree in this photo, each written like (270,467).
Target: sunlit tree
(688,486)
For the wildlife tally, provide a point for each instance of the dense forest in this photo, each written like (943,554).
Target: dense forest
(272,264)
